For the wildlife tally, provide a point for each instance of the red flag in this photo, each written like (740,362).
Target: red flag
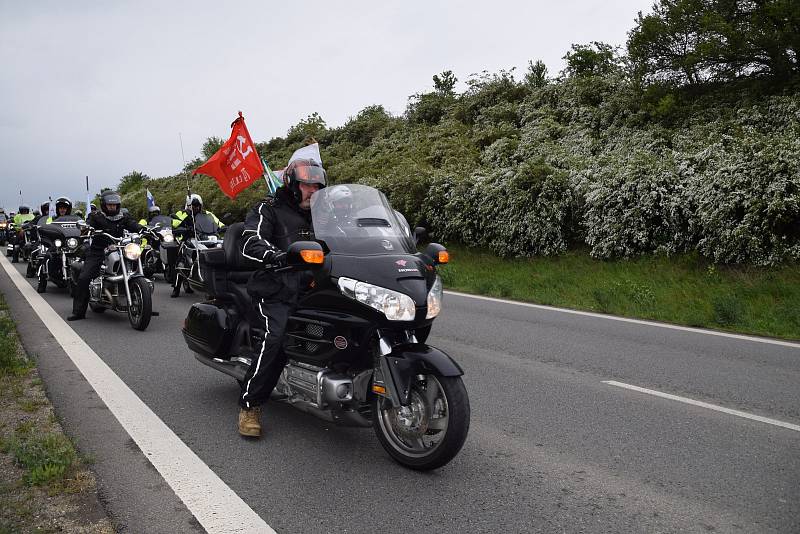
(236,164)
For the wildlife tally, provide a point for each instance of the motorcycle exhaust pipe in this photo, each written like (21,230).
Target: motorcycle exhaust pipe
(235,369)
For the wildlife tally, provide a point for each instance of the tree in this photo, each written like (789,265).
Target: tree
(132,180)
(211,146)
(594,59)
(537,74)
(312,126)
(693,41)
(445,83)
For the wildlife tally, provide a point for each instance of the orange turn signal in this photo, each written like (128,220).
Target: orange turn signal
(312,256)
(444,256)
(377,388)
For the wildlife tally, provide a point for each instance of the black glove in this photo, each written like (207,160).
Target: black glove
(277,258)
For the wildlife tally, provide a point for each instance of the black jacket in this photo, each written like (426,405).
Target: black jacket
(271,226)
(99,221)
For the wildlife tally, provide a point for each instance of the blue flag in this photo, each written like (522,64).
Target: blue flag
(150,200)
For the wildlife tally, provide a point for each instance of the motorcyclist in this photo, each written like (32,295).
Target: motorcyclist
(152,211)
(271,226)
(23,215)
(194,206)
(44,214)
(108,219)
(63,208)
(183,223)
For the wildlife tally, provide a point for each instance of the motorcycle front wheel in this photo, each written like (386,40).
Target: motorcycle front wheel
(30,271)
(431,430)
(140,308)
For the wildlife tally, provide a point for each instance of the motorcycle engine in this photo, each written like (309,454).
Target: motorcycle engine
(318,386)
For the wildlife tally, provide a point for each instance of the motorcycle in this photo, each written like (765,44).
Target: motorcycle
(5,222)
(205,236)
(60,244)
(11,238)
(27,244)
(355,345)
(160,253)
(121,285)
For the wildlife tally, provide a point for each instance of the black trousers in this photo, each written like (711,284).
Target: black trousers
(266,367)
(91,268)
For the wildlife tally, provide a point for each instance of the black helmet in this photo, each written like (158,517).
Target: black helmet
(110,204)
(44,208)
(152,211)
(24,209)
(65,202)
(306,171)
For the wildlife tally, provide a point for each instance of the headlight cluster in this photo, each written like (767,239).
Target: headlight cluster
(435,299)
(167,237)
(57,242)
(133,251)
(72,242)
(394,305)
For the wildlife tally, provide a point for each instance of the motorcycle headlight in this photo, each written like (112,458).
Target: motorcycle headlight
(57,242)
(167,237)
(435,299)
(394,305)
(72,242)
(133,251)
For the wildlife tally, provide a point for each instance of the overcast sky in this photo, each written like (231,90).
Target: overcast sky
(103,88)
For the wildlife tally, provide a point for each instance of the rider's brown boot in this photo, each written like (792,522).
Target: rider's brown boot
(250,422)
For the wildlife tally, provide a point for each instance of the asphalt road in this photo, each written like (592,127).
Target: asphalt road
(552,448)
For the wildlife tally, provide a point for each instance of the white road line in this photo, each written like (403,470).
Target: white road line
(208,498)
(634,321)
(714,407)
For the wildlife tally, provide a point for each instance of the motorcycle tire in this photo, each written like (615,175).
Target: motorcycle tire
(140,309)
(445,396)
(30,271)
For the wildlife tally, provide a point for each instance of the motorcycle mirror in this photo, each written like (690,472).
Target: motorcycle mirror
(420,233)
(437,253)
(305,255)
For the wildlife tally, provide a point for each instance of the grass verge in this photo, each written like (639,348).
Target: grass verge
(44,484)
(685,290)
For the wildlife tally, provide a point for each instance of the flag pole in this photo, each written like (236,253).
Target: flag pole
(88,201)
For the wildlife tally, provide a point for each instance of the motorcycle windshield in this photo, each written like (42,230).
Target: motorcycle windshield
(205,225)
(357,219)
(160,220)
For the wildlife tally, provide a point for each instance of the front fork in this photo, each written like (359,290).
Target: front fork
(382,381)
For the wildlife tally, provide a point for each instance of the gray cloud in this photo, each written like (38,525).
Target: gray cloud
(102,88)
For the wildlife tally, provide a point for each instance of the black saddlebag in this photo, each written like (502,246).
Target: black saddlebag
(210,330)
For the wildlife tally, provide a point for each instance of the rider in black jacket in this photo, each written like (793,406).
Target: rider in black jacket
(271,226)
(108,219)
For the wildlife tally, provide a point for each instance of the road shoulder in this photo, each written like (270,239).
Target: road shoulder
(134,494)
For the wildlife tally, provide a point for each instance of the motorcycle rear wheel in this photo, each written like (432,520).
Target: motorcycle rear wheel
(431,430)
(140,309)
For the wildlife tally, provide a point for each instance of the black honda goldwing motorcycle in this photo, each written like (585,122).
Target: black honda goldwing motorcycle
(356,343)
(121,285)
(60,244)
